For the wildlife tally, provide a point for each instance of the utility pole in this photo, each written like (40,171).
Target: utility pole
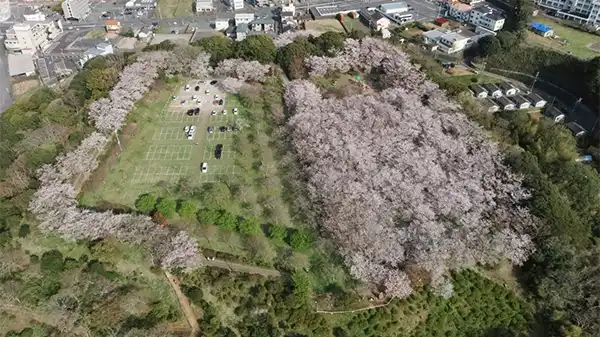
(534,80)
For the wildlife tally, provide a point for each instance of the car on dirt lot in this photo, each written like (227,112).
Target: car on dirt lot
(197,88)
(211,129)
(190,112)
(213,82)
(224,112)
(218,151)
(197,111)
(186,129)
(221,102)
(204,168)
(223,129)
(229,129)
(214,112)
(187,87)
(235,111)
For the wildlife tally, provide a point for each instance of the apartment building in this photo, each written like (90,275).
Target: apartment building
(76,9)
(237,4)
(487,18)
(204,6)
(28,38)
(582,11)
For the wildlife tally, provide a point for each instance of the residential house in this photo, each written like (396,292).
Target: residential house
(508,89)
(243,18)
(262,24)
(505,103)
(478,91)
(76,9)
(286,16)
(576,129)
(112,25)
(30,14)
(493,90)
(442,22)
(289,8)
(520,102)
(241,31)
(536,101)
(102,49)
(487,17)
(221,24)
(394,8)
(452,43)
(433,36)
(472,2)
(554,113)
(542,29)
(379,21)
(459,11)
(489,105)
(20,65)
(26,38)
(204,6)
(261,3)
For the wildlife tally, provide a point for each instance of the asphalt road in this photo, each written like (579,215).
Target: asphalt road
(5,97)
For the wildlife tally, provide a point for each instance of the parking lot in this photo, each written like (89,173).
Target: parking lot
(172,155)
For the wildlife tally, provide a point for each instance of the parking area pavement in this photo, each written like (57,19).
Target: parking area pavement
(172,155)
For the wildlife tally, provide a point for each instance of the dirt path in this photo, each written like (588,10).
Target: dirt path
(184,303)
(241,268)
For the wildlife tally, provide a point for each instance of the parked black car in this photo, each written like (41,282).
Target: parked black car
(197,111)
(222,129)
(190,112)
(218,151)
(213,82)
(197,88)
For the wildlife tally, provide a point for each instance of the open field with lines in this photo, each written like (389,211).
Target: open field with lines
(161,154)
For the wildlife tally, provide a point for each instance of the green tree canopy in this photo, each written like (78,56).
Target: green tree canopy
(186,209)
(208,216)
(167,207)
(301,240)
(302,286)
(257,47)
(220,47)
(277,232)
(226,220)
(145,203)
(249,226)
(489,45)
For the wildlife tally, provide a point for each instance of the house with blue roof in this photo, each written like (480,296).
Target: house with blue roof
(542,29)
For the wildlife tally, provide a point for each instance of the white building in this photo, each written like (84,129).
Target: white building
(76,9)
(25,38)
(237,4)
(204,6)
(20,65)
(452,43)
(487,18)
(221,24)
(459,11)
(4,10)
(34,15)
(289,8)
(582,11)
(102,49)
(243,18)
(394,8)
(379,21)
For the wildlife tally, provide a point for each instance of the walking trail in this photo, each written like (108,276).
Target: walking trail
(184,303)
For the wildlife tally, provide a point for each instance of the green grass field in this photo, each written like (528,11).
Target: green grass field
(174,8)
(577,41)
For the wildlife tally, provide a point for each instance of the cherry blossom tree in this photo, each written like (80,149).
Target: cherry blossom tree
(250,71)
(200,66)
(286,38)
(232,85)
(397,179)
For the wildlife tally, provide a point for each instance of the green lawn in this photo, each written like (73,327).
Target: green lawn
(174,8)
(352,24)
(577,41)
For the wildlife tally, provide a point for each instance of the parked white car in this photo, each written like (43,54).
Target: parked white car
(224,112)
(235,111)
(187,87)
(204,168)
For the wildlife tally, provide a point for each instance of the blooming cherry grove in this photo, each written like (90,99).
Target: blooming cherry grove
(401,177)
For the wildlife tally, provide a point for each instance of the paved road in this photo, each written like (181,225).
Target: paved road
(5,97)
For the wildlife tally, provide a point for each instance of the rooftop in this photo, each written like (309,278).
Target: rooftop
(534,97)
(461,7)
(241,28)
(540,27)
(392,6)
(261,21)
(504,101)
(519,99)
(453,37)
(477,88)
(434,34)
(19,64)
(376,16)
(490,87)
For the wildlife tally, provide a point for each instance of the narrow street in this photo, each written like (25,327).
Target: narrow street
(5,97)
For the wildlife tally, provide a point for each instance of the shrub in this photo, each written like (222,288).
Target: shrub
(186,209)
(277,232)
(226,220)
(167,207)
(52,262)
(24,230)
(301,240)
(145,203)
(207,216)
(249,226)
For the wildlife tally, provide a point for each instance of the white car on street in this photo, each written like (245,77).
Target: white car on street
(204,168)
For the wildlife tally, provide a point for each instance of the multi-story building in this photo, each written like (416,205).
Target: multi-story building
(237,4)
(582,11)
(76,9)
(486,17)
(30,14)
(204,6)
(28,38)
(243,18)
